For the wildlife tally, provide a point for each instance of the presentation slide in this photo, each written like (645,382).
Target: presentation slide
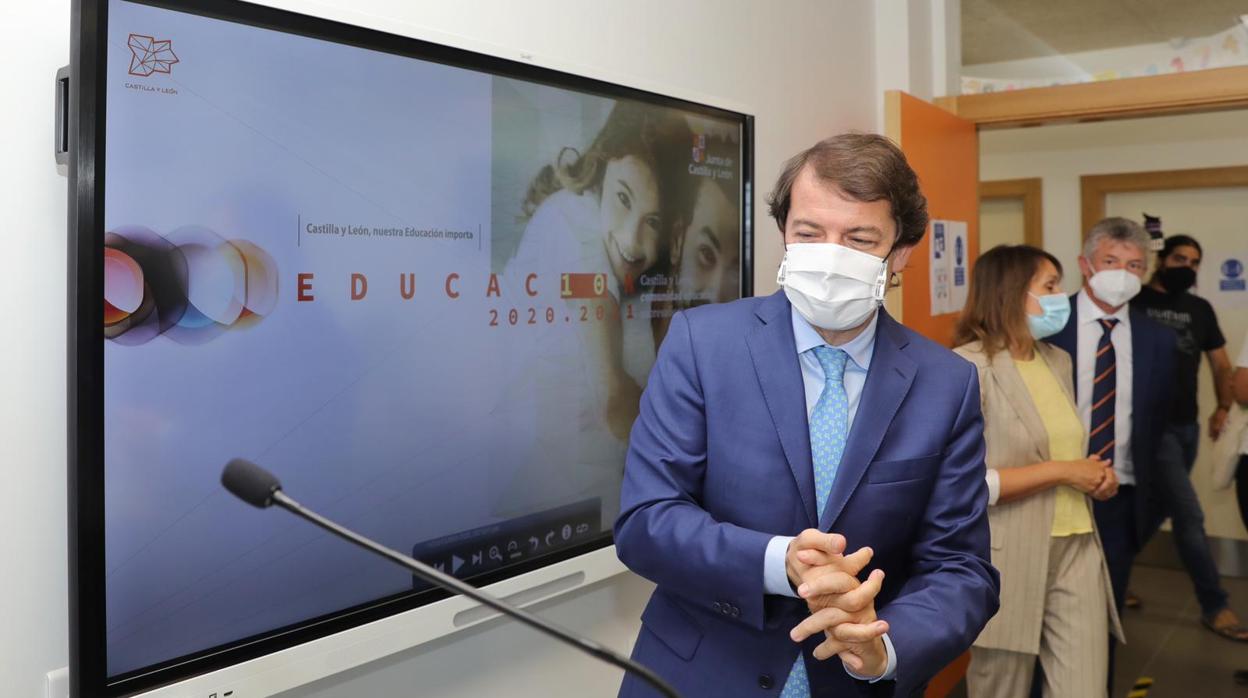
(426,297)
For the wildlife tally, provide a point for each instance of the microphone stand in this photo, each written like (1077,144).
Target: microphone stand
(447,581)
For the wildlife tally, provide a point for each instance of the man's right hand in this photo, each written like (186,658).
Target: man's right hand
(814,554)
(829,544)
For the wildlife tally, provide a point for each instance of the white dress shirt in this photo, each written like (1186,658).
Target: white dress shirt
(1089,334)
(860,350)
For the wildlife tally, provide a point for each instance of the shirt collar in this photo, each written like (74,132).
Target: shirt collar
(860,348)
(1090,312)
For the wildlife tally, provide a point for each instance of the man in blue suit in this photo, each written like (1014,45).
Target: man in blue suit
(1123,370)
(776,433)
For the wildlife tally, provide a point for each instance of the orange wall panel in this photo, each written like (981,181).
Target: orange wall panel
(944,151)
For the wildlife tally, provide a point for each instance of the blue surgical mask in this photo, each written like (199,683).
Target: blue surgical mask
(1056,309)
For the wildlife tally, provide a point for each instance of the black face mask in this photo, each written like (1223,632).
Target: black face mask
(1178,279)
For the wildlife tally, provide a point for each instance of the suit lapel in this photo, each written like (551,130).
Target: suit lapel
(1010,381)
(1068,339)
(774,353)
(888,381)
(1141,357)
(1052,356)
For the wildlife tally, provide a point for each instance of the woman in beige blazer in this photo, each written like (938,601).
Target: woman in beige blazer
(1056,601)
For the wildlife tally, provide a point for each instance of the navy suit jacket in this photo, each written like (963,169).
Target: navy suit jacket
(1152,375)
(719,462)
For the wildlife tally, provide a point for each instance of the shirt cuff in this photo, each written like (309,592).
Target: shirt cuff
(993,478)
(775,571)
(890,669)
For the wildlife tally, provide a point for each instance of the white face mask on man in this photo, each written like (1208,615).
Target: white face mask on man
(1114,286)
(831,286)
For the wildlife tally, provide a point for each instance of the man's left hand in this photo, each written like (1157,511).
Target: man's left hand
(848,621)
(1217,423)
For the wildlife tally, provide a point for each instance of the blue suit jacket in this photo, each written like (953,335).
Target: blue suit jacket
(1152,375)
(719,462)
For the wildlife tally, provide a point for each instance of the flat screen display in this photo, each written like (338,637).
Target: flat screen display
(424,287)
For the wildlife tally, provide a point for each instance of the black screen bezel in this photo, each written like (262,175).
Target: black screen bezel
(87,102)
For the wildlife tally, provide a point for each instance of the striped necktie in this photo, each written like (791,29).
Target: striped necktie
(829,429)
(1104,389)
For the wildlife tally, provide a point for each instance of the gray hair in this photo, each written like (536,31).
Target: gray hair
(1118,230)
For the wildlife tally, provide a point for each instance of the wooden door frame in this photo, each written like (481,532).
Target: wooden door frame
(1093,189)
(1154,95)
(1031,191)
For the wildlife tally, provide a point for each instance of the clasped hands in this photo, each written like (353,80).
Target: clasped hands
(841,607)
(1093,476)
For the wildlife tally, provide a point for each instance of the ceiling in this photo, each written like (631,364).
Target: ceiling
(1005,30)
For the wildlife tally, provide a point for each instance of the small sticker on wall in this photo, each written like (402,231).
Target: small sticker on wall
(1232,276)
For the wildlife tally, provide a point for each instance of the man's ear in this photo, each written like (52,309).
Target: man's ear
(900,257)
(1085,267)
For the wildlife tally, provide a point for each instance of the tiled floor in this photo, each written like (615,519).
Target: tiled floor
(1167,643)
(1165,640)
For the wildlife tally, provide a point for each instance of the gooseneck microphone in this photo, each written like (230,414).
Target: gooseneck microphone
(260,488)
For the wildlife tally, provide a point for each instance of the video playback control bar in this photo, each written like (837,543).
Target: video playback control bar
(479,550)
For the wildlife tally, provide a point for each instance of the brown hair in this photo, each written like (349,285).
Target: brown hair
(995,313)
(658,137)
(867,167)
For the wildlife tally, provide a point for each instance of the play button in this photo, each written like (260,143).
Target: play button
(456,563)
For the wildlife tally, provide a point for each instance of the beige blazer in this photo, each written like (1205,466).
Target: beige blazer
(1015,436)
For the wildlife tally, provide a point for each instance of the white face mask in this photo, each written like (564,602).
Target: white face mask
(1114,286)
(833,287)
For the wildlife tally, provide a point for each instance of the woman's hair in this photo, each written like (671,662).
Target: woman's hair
(995,312)
(659,137)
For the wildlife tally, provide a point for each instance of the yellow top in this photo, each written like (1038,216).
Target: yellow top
(1070,510)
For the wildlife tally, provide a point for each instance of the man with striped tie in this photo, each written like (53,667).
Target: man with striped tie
(805,480)
(1123,366)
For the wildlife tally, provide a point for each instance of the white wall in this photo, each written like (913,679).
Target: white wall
(918,49)
(805,69)
(33,603)
(1001,222)
(1128,61)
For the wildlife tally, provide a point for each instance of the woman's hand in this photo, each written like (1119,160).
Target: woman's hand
(1109,486)
(1086,474)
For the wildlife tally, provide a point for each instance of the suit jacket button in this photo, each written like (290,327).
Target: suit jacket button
(765,681)
(736,612)
(717,607)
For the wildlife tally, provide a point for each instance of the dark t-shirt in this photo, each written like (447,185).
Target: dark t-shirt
(1193,320)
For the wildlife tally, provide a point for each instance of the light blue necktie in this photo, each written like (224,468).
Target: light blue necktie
(829,428)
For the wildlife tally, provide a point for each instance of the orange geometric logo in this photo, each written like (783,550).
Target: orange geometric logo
(147,55)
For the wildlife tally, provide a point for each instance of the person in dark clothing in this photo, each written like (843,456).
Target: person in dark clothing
(1167,300)
(1239,383)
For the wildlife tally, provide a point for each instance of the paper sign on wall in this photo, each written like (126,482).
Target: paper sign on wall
(1232,275)
(940,268)
(950,257)
(960,263)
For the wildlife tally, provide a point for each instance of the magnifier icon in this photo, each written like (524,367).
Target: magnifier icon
(495,554)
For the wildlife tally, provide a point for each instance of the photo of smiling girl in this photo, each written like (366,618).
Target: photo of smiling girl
(608,210)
